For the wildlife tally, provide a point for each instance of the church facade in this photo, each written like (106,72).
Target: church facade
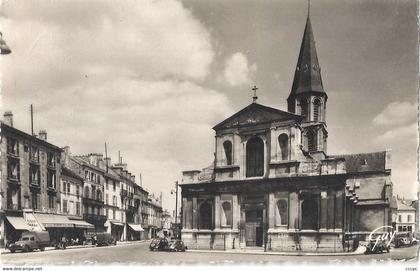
(273,186)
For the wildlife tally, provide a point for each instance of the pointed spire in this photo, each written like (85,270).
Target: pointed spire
(309,8)
(308,72)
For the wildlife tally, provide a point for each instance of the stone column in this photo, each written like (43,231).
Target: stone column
(292,143)
(339,209)
(217,211)
(294,210)
(271,211)
(323,210)
(331,209)
(235,212)
(194,213)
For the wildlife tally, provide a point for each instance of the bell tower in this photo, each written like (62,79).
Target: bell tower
(308,98)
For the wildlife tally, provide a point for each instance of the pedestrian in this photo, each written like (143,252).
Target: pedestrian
(63,242)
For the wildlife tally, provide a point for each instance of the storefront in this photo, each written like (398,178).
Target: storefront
(14,227)
(57,225)
(134,232)
(115,228)
(77,235)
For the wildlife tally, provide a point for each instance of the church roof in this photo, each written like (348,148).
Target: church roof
(308,72)
(255,114)
(364,162)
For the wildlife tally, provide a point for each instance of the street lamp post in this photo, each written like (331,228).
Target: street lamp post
(176,208)
(176,201)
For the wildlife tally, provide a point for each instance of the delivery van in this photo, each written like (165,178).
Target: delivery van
(31,240)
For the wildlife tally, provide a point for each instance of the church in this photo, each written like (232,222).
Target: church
(273,186)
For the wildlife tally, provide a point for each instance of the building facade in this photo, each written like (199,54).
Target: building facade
(30,187)
(273,185)
(46,188)
(404,217)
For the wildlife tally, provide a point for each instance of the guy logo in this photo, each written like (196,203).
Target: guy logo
(375,236)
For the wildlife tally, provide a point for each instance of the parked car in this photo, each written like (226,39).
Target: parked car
(105,239)
(160,244)
(30,241)
(177,245)
(404,240)
(380,247)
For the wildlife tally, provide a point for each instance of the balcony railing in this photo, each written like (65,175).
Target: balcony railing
(94,218)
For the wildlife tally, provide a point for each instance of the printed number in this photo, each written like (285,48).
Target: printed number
(411,269)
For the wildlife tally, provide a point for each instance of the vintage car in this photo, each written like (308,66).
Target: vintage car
(177,245)
(404,240)
(30,241)
(160,244)
(373,247)
(104,239)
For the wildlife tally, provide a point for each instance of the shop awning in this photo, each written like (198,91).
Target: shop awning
(115,222)
(54,221)
(82,224)
(18,223)
(136,227)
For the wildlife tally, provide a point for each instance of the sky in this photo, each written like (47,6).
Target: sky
(151,78)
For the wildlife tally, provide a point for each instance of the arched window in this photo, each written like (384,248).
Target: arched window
(227,145)
(312,146)
(255,157)
(227,214)
(304,109)
(205,216)
(317,109)
(284,146)
(87,192)
(282,212)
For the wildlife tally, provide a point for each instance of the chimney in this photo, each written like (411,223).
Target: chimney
(43,135)
(8,118)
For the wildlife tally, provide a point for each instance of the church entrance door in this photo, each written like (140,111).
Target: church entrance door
(254,228)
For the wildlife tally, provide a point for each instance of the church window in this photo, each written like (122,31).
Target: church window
(227,214)
(311,141)
(284,146)
(227,145)
(317,109)
(310,213)
(254,157)
(282,212)
(304,109)
(205,216)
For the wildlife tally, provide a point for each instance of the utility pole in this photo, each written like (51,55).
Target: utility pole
(176,202)
(32,119)
(106,158)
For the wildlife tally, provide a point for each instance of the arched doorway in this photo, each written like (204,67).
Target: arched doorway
(310,213)
(255,157)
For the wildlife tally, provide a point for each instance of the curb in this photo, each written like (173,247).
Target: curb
(6,251)
(279,253)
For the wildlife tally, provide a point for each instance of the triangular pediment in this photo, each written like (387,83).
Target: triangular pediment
(255,114)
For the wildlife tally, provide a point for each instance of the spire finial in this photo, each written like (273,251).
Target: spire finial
(255,97)
(309,8)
